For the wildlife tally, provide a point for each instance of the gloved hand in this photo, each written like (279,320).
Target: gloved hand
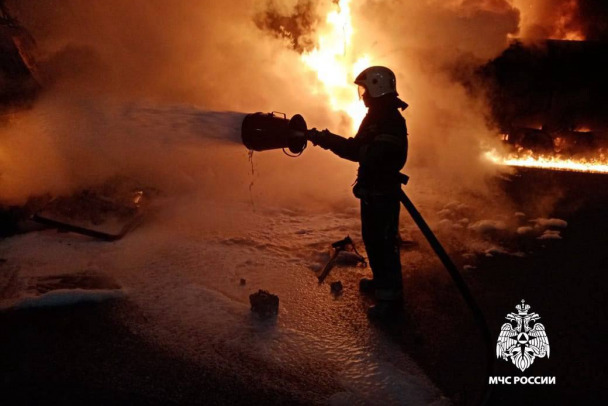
(315,136)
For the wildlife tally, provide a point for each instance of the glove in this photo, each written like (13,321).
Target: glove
(315,136)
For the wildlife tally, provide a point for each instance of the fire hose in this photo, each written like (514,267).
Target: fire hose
(262,132)
(458,280)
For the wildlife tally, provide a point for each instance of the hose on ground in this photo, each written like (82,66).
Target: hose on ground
(460,284)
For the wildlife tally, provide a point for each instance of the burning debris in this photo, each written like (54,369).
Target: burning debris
(264,304)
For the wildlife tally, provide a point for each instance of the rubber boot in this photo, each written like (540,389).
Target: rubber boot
(367,286)
(385,310)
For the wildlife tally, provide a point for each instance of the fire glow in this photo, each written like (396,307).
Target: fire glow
(556,163)
(552,20)
(336,65)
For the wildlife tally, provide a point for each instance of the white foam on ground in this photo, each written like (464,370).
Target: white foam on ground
(525,230)
(67,297)
(550,235)
(552,222)
(486,226)
(187,284)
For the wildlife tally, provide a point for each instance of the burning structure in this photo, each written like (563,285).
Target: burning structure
(548,100)
(550,96)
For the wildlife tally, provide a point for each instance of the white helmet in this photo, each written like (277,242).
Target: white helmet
(377,81)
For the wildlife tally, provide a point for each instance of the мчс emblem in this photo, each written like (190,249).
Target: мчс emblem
(521,342)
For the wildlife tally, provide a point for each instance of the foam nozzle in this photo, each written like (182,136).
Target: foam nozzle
(267,131)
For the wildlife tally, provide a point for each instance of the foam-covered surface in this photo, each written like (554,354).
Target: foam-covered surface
(187,283)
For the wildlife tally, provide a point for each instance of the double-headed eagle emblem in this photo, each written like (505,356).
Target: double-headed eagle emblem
(521,342)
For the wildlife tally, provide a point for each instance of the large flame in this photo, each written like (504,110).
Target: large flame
(337,65)
(598,164)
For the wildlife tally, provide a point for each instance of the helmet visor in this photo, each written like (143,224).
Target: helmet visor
(361,90)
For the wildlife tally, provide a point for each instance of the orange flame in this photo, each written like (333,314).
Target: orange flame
(565,28)
(598,164)
(336,65)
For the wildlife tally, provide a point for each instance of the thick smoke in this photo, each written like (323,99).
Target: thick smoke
(294,22)
(426,43)
(206,53)
(563,19)
(548,19)
(593,17)
(104,62)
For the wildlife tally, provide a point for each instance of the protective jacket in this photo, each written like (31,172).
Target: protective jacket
(380,146)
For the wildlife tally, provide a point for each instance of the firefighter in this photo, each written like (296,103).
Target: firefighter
(380,147)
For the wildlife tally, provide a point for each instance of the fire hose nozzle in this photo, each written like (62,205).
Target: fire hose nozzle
(266,131)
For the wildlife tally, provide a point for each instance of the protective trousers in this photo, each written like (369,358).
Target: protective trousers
(379,227)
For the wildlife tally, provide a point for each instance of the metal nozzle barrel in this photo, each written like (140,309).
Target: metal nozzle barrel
(266,131)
